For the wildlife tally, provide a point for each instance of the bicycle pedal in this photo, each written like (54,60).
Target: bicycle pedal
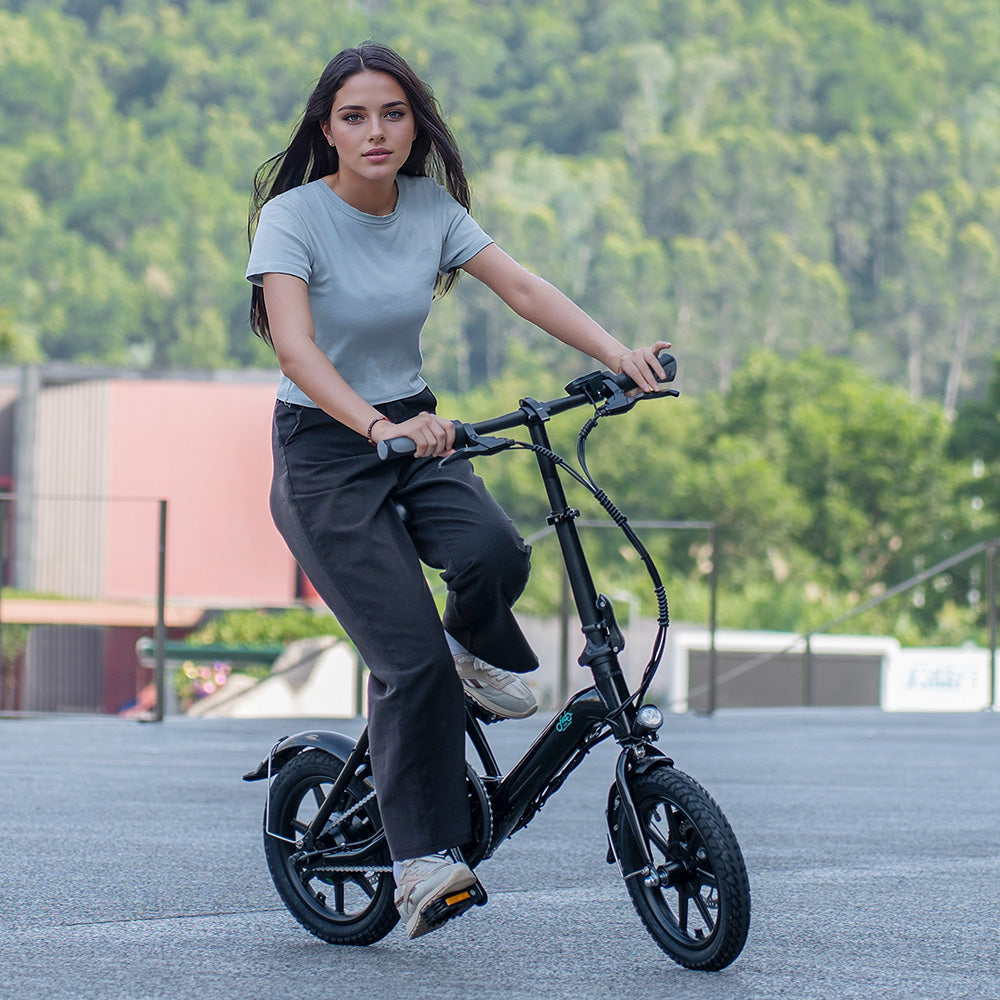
(454,904)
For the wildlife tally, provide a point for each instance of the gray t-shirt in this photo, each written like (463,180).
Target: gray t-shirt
(371,278)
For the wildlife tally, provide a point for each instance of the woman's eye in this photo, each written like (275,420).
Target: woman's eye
(352,117)
(394,115)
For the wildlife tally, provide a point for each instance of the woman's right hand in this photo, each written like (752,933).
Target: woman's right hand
(433,436)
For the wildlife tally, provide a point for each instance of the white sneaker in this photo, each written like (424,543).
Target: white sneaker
(423,882)
(498,691)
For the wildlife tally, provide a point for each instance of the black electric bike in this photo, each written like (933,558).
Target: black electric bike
(677,854)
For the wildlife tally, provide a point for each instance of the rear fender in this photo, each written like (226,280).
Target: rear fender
(291,746)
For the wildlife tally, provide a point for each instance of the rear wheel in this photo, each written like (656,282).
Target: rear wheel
(340,903)
(695,901)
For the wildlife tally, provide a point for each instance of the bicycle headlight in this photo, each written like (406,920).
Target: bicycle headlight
(648,719)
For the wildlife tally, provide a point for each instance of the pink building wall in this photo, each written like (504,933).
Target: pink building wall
(205,448)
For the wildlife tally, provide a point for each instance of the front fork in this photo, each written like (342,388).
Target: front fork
(635,759)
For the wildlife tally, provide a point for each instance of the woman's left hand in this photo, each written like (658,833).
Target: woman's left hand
(641,365)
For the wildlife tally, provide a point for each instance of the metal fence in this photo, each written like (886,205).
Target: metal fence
(988,550)
(83,578)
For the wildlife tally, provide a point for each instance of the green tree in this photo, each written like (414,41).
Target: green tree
(738,172)
(871,465)
(976,441)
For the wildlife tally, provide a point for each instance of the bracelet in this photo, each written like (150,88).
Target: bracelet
(371,425)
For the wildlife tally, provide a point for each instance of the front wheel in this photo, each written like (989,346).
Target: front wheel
(695,901)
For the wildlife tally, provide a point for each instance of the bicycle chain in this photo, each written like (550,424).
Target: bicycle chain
(346,869)
(337,870)
(488,818)
(347,814)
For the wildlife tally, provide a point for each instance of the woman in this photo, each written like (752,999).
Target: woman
(350,239)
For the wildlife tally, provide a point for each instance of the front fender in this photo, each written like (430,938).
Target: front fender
(291,746)
(629,764)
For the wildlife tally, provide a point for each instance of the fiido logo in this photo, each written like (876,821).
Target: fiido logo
(564,722)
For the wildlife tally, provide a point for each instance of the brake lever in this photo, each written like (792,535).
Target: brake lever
(604,392)
(478,446)
(619,402)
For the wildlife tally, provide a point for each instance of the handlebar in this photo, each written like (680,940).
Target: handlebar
(592,388)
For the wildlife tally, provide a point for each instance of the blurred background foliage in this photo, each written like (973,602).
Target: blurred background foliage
(803,196)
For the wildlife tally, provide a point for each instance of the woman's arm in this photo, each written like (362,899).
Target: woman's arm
(294,337)
(535,300)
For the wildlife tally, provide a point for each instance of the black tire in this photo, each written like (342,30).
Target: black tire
(349,907)
(699,914)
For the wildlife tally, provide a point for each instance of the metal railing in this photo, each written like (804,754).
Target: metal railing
(990,547)
(56,552)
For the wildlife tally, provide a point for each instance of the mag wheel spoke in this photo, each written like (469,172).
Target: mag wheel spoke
(682,911)
(708,880)
(703,909)
(366,887)
(655,837)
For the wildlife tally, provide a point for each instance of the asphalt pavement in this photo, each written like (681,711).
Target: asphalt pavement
(131,867)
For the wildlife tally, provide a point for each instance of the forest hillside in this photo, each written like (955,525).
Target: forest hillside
(728,173)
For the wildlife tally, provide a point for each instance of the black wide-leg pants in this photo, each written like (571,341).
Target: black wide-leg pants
(334,503)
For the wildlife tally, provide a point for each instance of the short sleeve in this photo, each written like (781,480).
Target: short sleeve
(463,237)
(280,245)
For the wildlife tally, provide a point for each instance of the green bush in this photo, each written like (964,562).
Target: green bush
(256,627)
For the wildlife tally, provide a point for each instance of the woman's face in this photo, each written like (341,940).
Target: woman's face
(371,125)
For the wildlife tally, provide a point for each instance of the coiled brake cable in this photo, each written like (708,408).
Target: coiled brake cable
(586,480)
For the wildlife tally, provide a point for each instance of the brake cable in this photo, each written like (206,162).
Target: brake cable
(586,480)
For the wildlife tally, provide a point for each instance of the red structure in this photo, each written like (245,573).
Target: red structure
(205,447)
(89,454)
(93,456)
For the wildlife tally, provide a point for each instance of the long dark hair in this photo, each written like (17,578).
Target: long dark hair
(308,156)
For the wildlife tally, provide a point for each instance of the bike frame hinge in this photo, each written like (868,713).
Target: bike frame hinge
(603,638)
(615,636)
(597,645)
(558,516)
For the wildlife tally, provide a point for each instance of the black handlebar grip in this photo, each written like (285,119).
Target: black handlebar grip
(669,364)
(400,447)
(395,448)
(667,361)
